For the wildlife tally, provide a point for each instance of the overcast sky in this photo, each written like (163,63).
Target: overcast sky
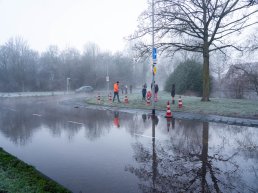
(70,23)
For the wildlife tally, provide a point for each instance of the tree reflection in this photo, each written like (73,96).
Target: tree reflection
(186,164)
(20,125)
(17,125)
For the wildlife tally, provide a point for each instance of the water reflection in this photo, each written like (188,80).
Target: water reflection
(116,119)
(170,123)
(146,154)
(187,163)
(21,124)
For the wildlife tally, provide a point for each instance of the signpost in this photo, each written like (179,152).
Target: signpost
(154,59)
(154,70)
(154,54)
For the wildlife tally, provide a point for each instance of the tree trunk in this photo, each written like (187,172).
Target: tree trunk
(204,158)
(206,75)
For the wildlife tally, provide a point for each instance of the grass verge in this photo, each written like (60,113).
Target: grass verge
(17,176)
(216,106)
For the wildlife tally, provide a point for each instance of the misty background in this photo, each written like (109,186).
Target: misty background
(50,42)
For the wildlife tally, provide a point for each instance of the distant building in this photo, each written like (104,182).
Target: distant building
(240,81)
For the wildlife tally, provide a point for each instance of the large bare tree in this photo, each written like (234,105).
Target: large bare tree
(201,26)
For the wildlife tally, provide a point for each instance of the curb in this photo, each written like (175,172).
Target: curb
(178,115)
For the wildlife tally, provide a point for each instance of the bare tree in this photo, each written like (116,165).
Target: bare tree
(250,71)
(17,65)
(254,45)
(235,83)
(200,26)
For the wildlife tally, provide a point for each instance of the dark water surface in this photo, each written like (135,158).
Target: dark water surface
(97,151)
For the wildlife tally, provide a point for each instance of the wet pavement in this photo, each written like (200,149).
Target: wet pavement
(121,150)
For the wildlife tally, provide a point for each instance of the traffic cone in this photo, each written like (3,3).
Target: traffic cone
(168,114)
(148,101)
(148,98)
(180,102)
(126,99)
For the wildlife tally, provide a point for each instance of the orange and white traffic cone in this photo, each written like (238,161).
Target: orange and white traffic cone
(180,102)
(148,98)
(148,101)
(126,99)
(168,114)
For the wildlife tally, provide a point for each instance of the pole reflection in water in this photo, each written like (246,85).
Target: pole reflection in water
(154,155)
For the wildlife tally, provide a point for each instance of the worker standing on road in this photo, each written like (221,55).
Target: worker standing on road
(116,91)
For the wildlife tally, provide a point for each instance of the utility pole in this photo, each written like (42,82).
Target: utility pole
(67,85)
(154,58)
(107,80)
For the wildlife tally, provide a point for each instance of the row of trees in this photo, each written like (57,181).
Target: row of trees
(23,69)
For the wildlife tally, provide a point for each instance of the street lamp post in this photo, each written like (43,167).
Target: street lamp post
(153,62)
(67,85)
(107,79)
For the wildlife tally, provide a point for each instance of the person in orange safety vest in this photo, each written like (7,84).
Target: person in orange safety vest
(116,91)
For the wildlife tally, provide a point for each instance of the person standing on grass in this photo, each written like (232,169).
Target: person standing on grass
(156,90)
(116,92)
(144,91)
(173,92)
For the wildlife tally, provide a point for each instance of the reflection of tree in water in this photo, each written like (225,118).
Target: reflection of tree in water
(246,143)
(95,123)
(245,139)
(184,164)
(20,125)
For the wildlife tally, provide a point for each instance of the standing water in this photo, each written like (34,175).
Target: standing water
(109,151)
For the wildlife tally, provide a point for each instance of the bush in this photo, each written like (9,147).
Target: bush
(187,77)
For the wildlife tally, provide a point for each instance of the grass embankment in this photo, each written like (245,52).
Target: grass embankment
(18,177)
(216,106)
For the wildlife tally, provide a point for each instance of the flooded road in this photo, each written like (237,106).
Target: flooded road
(98,151)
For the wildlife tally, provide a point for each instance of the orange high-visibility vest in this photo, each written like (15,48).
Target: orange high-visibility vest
(116,87)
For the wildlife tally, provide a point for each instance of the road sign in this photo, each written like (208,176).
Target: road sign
(107,78)
(154,53)
(154,69)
